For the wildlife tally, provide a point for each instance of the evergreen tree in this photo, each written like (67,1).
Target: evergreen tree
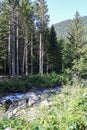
(66,56)
(4,33)
(42,22)
(54,52)
(78,47)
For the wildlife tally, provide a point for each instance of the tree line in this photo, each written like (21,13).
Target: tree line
(29,46)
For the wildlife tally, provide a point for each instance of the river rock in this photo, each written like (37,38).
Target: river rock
(20,112)
(44,103)
(8,128)
(31,98)
(31,102)
(20,100)
(7,103)
(31,95)
(14,111)
(9,115)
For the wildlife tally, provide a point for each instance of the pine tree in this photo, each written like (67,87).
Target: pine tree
(19,36)
(42,21)
(78,46)
(28,30)
(4,33)
(54,52)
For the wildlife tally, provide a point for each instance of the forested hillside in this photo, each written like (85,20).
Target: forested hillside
(62,29)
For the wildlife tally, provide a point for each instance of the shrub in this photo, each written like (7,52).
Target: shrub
(23,83)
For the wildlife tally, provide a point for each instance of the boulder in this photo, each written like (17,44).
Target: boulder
(31,102)
(8,128)
(31,98)
(30,95)
(7,103)
(9,115)
(44,103)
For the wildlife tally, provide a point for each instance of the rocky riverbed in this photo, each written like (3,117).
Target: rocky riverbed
(15,104)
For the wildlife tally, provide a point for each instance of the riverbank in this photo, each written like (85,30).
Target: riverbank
(26,83)
(63,110)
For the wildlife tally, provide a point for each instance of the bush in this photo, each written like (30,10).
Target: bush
(15,123)
(24,83)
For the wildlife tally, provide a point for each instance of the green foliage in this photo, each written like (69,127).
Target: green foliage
(54,52)
(12,85)
(66,56)
(24,83)
(78,46)
(15,123)
(68,111)
(3,36)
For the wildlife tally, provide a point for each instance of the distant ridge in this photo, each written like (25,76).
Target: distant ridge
(63,27)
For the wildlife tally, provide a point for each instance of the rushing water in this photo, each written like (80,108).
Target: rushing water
(18,96)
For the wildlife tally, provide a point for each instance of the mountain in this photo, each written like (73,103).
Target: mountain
(62,29)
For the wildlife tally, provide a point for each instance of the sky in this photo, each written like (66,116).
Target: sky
(60,10)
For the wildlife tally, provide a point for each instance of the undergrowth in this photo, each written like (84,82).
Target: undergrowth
(24,83)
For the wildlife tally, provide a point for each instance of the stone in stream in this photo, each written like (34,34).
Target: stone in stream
(14,111)
(18,100)
(9,115)
(7,104)
(31,98)
(30,95)
(8,128)
(45,103)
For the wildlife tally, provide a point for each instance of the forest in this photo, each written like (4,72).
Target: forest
(29,46)
(31,55)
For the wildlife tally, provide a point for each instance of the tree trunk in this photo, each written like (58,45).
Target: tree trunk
(17,42)
(9,49)
(47,66)
(26,53)
(31,54)
(4,67)
(23,60)
(13,43)
(40,56)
